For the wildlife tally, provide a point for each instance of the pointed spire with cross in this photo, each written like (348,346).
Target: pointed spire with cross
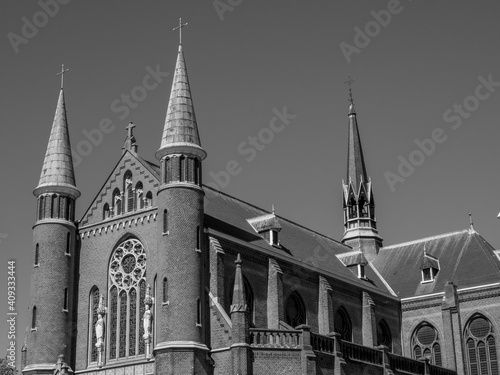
(61,73)
(181,25)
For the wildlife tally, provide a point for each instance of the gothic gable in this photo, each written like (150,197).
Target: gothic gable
(130,187)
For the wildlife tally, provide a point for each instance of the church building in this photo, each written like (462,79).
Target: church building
(164,275)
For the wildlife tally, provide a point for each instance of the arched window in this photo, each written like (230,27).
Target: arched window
(117,201)
(165,290)
(197,172)
(93,306)
(165,221)
(105,211)
(342,324)
(68,243)
(139,195)
(33,318)
(295,310)
(198,238)
(384,336)
(129,194)
(65,304)
(198,312)
(37,254)
(41,208)
(127,272)
(168,170)
(182,168)
(425,344)
(53,206)
(481,353)
(149,199)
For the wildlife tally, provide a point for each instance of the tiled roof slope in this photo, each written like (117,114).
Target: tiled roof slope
(180,122)
(57,169)
(229,215)
(464,258)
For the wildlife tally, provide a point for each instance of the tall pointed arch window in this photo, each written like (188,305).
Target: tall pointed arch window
(117,201)
(93,316)
(139,195)
(425,344)
(149,199)
(37,255)
(480,347)
(129,193)
(41,208)
(384,336)
(342,324)
(33,318)
(127,273)
(295,310)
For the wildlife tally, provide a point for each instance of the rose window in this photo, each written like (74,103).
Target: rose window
(128,264)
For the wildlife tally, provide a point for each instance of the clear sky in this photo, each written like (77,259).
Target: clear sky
(422,69)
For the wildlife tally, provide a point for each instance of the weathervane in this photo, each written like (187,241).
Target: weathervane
(349,83)
(61,73)
(181,25)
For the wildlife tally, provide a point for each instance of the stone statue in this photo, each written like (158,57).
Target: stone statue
(147,321)
(99,330)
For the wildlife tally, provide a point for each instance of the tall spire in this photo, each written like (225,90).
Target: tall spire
(57,170)
(180,130)
(360,226)
(356,170)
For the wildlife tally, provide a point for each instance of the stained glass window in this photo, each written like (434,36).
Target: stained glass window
(142,309)
(481,348)
(94,304)
(123,324)
(425,343)
(295,311)
(342,324)
(113,326)
(133,322)
(384,336)
(127,271)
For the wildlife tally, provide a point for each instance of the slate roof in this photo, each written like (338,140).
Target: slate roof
(356,170)
(180,122)
(465,258)
(229,215)
(57,169)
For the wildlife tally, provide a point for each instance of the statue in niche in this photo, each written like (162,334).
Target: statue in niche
(99,331)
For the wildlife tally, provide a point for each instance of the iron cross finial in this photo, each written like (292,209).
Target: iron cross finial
(181,25)
(61,73)
(349,83)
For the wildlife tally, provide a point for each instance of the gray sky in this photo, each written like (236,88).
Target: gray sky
(419,67)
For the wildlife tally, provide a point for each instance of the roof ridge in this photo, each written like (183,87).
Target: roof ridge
(425,239)
(280,217)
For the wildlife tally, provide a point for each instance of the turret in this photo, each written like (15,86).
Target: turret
(54,251)
(360,225)
(181,324)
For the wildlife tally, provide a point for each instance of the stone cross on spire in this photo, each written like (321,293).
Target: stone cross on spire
(61,73)
(130,142)
(349,83)
(181,25)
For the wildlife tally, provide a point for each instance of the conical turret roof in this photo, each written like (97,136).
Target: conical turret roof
(57,170)
(181,129)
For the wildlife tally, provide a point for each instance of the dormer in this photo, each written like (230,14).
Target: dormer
(429,268)
(268,227)
(355,261)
